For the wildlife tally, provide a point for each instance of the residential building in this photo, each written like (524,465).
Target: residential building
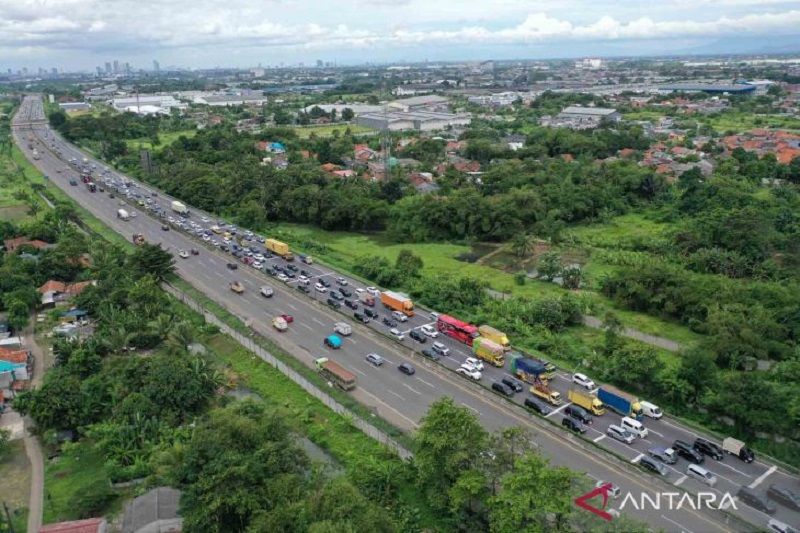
(12,244)
(89,525)
(56,291)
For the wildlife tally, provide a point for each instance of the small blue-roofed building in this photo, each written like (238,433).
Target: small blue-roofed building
(74,315)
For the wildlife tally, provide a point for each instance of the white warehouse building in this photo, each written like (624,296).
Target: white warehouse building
(413,120)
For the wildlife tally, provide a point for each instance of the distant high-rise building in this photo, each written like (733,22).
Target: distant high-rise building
(99,71)
(41,71)
(319,63)
(116,66)
(54,71)
(25,70)
(156,66)
(10,72)
(108,67)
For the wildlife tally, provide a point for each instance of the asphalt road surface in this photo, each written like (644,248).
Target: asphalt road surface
(401,399)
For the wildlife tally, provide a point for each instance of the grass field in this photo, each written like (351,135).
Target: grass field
(650,116)
(165,138)
(326,130)
(16,475)
(738,121)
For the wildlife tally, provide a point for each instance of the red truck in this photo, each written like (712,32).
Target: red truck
(460,331)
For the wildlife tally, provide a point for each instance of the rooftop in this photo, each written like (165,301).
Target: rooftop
(90,525)
(588,111)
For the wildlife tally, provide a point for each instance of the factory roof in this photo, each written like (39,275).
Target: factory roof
(588,111)
(428,99)
(392,116)
(710,87)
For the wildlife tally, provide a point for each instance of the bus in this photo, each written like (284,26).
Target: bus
(460,331)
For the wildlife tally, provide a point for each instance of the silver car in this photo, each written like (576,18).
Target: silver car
(620,434)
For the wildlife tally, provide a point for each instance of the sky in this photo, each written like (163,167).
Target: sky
(81,34)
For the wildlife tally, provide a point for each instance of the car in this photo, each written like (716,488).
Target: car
(373,291)
(336,296)
(620,434)
(370,313)
(325,282)
(341,281)
(657,467)
(502,388)
(75,183)
(784,496)
(303,288)
(292,267)
(537,407)
(779,527)
(288,318)
(333,304)
(164,227)
(751,498)
(706,447)
(232,266)
(579,414)
(302,278)
(283,277)
(319,287)
(612,489)
(111,195)
(289,274)
(477,363)
(430,331)
(583,381)
(374,358)
(400,317)
(195,251)
(406,368)
(665,455)
(687,452)
(183,254)
(417,336)
(440,348)
(430,354)
(701,474)
(514,384)
(333,341)
(469,372)
(573,425)
(388,322)
(394,332)
(351,304)
(360,291)
(345,292)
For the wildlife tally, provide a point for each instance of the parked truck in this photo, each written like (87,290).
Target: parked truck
(279,248)
(494,335)
(526,369)
(123,215)
(543,391)
(334,372)
(138,239)
(587,400)
(489,351)
(179,207)
(397,301)
(620,402)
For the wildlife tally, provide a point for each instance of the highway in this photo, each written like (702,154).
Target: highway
(401,399)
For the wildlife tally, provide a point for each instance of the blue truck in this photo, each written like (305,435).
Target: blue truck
(620,402)
(526,369)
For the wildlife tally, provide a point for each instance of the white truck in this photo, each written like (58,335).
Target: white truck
(179,207)
(123,215)
(342,328)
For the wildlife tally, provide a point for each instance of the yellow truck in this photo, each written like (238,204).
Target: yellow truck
(489,351)
(587,400)
(494,335)
(279,248)
(540,389)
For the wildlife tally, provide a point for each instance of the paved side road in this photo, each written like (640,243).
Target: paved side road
(652,340)
(32,447)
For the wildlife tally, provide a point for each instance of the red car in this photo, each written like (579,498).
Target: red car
(288,318)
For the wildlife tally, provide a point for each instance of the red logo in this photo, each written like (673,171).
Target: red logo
(582,501)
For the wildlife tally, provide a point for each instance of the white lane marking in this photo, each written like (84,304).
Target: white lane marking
(598,439)
(762,477)
(318,321)
(470,408)
(290,305)
(357,371)
(683,529)
(734,469)
(649,430)
(353,342)
(557,410)
(412,389)
(393,392)
(426,383)
(681,480)
(309,328)
(636,459)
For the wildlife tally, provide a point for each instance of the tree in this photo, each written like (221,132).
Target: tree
(154,260)
(348,114)
(549,265)
(408,264)
(5,443)
(523,244)
(571,277)
(698,370)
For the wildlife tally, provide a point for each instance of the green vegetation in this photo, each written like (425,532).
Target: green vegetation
(164,139)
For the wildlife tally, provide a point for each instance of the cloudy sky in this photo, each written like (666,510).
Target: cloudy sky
(79,34)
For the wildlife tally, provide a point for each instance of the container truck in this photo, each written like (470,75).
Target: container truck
(549,368)
(279,248)
(540,389)
(397,301)
(620,402)
(526,369)
(179,207)
(334,372)
(366,299)
(587,400)
(489,351)
(138,239)
(123,215)
(494,335)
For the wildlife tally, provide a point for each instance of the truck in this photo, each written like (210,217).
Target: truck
(397,301)
(620,402)
(335,373)
(366,299)
(138,239)
(279,248)
(179,207)
(549,368)
(543,391)
(489,351)
(587,400)
(236,287)
(526,369)
(739,449)
(342,328)
(123,215)
(494,335)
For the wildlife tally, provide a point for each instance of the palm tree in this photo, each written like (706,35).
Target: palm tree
(181,335)
(161,325)
(117,339)
(523,244)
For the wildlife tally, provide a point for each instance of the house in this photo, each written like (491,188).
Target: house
(12,244)
(344,173)
(15,356)
(74,315)
(89,525)
(5,329)
(271,146)
(153,512)
(514,142)
(11,343)
(56,291)
(329,167)
(363,153)
(423,182)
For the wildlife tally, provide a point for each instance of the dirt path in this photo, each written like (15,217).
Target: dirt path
(32,446)
(652,340)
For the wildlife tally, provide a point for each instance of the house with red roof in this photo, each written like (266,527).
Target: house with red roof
(56,291)
(89,525)
(12,244)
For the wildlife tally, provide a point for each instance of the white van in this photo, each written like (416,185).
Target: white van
(701,474)
(400,317)
(651,410)
(634,426)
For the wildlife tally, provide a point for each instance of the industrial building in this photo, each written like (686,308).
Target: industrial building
(357,109)
(222,100)
(413,120)
(73,107)
(710,88)
(148,104)
(575,112)
(430,102)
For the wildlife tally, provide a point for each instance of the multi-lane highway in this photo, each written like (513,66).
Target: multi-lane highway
(398,398)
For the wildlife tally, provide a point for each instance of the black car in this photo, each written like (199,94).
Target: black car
(578,413)
(370,313)
(389,323)
(224,248)
(232,266)
(687,452)
(654,466)
(417,336)
(164,227)
(515,385)
(406,369)
(706,447)
(73,183)
(345,292)
(292,267)
(325,282)
(573,425)
(430,354)
(289,274)
(502,388)
(333,304)
(755,501)
(540,408)
(351,304)
(784,496)
(361,318)
(303,288)
(336,296)
(303,272)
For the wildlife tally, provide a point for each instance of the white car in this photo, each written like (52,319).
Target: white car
(359,291)
(259,257)
(341,281)
(400,317)
(282,277)
(319,287)
(373,291)
(470,372)
(440,348)
(396,334)
(429,331)
(266,291)
(583,381)
(434,315)
(257,265)
(303,279)
(184,254)
(473,362)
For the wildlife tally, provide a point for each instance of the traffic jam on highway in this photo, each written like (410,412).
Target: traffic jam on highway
(615,420)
